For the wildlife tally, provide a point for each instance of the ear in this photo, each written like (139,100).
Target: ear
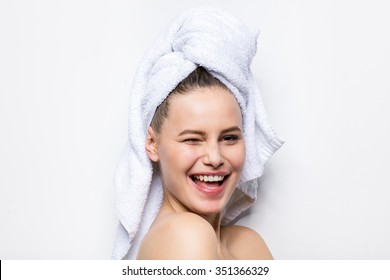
(151,145)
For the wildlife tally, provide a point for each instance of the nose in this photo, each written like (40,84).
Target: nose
(213,156)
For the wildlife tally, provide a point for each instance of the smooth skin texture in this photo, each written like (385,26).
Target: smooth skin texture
(201,135)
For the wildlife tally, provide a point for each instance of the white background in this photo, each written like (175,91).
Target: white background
(323,68)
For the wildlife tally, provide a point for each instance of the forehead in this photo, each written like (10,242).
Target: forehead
(208,107)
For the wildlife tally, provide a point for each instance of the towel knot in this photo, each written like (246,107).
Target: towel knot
(226,55)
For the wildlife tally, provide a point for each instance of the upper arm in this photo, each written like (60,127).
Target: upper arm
(182,236)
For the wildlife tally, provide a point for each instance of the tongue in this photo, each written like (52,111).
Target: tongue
(207,184)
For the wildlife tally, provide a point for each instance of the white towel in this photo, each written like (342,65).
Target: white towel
(206,37)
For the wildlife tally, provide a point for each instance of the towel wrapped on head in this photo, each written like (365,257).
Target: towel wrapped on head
(225,47)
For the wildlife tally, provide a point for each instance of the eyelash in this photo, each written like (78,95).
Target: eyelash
(192,140)
(231,138)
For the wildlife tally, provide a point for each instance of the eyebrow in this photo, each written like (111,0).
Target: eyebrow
(231,129)
(190,131)
(202,133)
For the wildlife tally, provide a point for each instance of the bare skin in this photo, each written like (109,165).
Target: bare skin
(201,137)
(188,236)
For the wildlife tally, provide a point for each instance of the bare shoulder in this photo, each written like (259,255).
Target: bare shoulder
(245,243)
(179,236)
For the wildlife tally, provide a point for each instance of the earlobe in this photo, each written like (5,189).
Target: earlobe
(151,145)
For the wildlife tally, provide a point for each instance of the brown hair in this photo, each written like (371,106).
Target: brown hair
(199,78)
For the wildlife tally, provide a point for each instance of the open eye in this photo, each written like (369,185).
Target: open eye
(230,139)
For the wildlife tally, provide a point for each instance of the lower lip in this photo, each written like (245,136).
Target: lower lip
(210,191)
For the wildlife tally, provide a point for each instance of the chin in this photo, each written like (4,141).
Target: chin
(209,209)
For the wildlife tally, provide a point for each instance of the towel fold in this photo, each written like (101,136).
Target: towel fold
(225,47)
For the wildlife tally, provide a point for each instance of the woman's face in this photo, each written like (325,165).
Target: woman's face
(200,150)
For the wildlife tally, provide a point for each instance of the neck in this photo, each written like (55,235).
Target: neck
(214,220)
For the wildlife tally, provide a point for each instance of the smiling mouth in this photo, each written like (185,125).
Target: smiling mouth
(216,180)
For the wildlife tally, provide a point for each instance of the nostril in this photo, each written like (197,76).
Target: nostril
(213,156)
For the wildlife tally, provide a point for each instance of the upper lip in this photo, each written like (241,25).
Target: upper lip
(220,173)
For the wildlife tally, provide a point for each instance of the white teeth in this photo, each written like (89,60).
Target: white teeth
(205,178)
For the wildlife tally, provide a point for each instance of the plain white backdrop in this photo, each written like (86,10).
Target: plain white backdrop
(323,68)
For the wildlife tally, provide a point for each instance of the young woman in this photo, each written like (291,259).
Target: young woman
(198,141)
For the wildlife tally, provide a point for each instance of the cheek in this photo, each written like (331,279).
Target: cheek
(178,157)
(187,156)
(237,156)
